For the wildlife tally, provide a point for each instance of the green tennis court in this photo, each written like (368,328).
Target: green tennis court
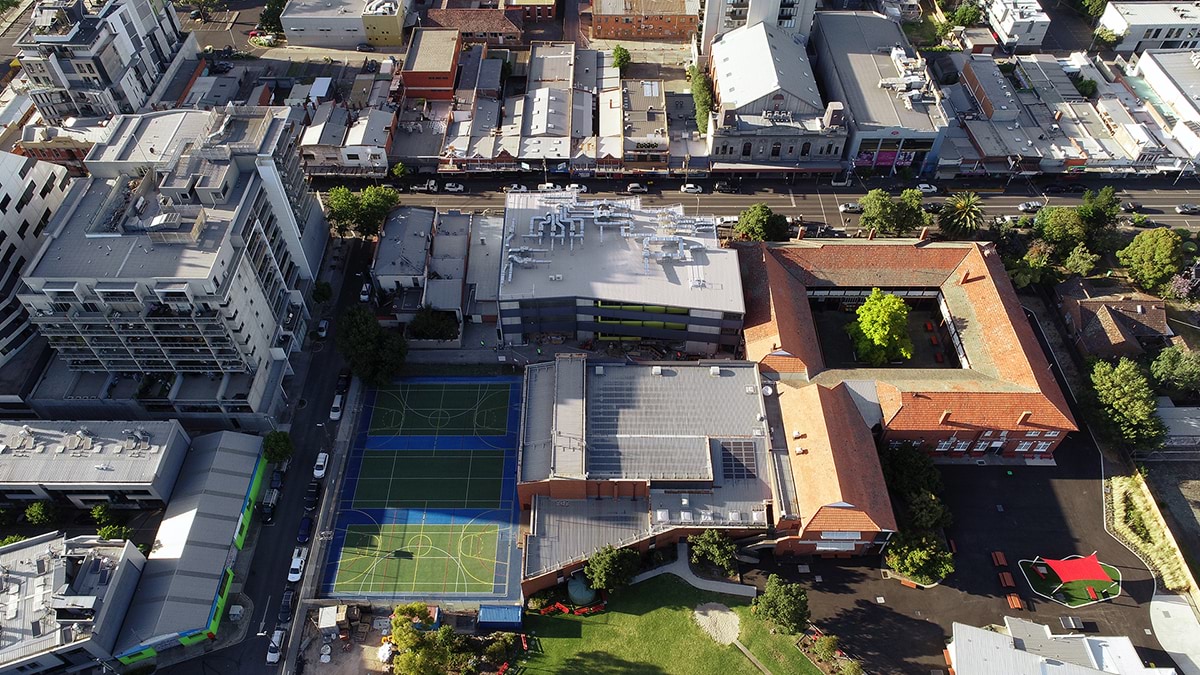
(418,558)
(441,409)
(419,479)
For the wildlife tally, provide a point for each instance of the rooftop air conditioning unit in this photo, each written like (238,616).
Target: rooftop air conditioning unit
(656,370)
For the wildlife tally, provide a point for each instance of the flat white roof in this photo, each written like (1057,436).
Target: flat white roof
(65,453)
(1146,13)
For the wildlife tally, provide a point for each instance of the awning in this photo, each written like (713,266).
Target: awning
(810,167)
(1078,569)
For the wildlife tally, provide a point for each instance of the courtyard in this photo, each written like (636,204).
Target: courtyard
(931,342)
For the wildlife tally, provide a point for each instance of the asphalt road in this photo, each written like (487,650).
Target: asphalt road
(817,200)
(311,431)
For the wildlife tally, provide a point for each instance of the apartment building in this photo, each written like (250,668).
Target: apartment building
(604,271)
(88,58)
(73,598)
(645,19)
(1020,25)
(1172,77)
(123,464)
(1152,25)
(722,16)
(344,24)
(177,274)
(769,117)
(65,144)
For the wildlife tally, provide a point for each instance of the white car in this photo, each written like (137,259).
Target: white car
(454,187)
(850,207)
(364,293)
(323,329)
(321,465)
(636,188)
(299,555)
(335,411)
(516,187)
(275,649)
(691,189)
(576,187)
(1030,207)
(548,187)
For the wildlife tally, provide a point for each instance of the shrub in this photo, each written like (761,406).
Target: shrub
(101,515)
(40,513)
(825,647)
(114,532)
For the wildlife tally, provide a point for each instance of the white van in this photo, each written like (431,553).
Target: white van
(335,412)
(275,649)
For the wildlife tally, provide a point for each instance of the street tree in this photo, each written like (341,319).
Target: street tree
(909,215)
(783,604)
(1062,227)
(374,354)
(40,513)
(961,215)
(880,333)
(277,446)
(611,568)
(1127,403)
(1177,369)
(878,211)
(322,292)
(714,546)
(1099,212)
(621,58)
(760,223)
(375,203)
(1081,261)
(398,170)
(1153,257)
(342,207)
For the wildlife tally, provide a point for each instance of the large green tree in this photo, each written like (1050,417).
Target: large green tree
(961,215)
(783,604)
(702,97)
(1099,212)
(714,546)
(277,446)
(342,208)
(1081,261)
(1128,403)
(114,532)
(1177,369)
(1094,8)
(921,558)
(621,58)
(374,354)
(880,333)
(611,568)
(893,216)
(1153,257)
(363,212)
(1062,227)
(760,223)
(40,513)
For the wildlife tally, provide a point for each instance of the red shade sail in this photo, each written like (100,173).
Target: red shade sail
(1078,569)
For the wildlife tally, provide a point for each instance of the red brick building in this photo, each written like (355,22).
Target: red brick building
(431,64)
(980,384)
(487,26)
(645,19)
(534,10)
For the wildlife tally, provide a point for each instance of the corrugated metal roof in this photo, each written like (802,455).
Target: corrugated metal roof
(82,453)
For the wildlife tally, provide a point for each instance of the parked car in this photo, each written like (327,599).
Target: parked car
(296,570)
(932,207)
(323,329)
(275,649)
(515,187)
(335,411)
(267,506)
(256,32)
(1054,189)
(364,293)
(1077,188)
(305,531)
(691,189)
(285,606)
(196,14)
(547,187)
(364,47)
(1131,207)
(321,466)
(1188,209)
(636,189)
(343,382)
(425,186)
(276,479)
(850,207)
(454,187)
(926,188)
(578,187)
(312,495)
(1030,207)
(726,187)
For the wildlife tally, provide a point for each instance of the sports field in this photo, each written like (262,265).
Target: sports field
(393,559)
(427,507)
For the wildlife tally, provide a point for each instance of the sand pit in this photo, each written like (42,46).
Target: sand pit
(718,621)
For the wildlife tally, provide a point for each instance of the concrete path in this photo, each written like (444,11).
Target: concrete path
(1177,630)
(746,652)
(681,569)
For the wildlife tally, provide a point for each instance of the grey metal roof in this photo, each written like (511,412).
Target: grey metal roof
(756,60)
(194,543)
(1027,648)
(567,530)
(85,453)
(404,242)
(553,441)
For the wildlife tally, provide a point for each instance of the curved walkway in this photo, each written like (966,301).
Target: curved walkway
(681,569)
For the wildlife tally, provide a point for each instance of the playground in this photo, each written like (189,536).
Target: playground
(1074,581)
(427,505)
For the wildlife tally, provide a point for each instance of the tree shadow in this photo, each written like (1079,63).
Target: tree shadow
(603,663)
(885,641)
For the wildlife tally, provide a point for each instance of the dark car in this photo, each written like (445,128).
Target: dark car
(726,187)
(343,382)
(364,47)
(1131,207)
(1054,189)
(285,606)
(276,479)
(1078,189)
(312,495)
(932,207)
(305,531)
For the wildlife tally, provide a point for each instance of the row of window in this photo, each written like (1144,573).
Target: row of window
(956,445)
(806,149)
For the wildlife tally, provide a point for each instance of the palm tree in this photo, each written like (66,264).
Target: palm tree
(962,215)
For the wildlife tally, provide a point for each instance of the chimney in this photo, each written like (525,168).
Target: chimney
(945,416)
(924,236)
(1024,417)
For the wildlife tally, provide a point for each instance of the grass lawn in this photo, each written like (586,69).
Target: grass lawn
(922,33)
(648,628)
(1075,593)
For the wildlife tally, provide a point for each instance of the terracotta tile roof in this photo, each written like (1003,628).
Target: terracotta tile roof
(838,478)
(477,20)
(1007,374)
(778,327)
(1108,321)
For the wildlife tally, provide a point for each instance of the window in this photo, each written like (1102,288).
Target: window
(981,446)
(746,149)
(776,147)
(944,445)
(841,535)
(1032,434)
(1042,446)
(1052,434)
(352,156)
(1024,446)
(962,446)
(805,149)
(4,203)
(987,433)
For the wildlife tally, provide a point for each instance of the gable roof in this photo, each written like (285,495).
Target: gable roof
(778,325)
(477,20)
(1108,321)
(838,479)
(1005,373)
(754,61)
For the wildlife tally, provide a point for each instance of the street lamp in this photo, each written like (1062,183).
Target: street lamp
(262,625)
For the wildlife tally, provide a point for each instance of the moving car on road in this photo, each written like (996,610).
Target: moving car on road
(454,187)
(850,207)
(927,189)
(577,187)
(515,187)
(1131,207)
(1188,209)
(548,187)
(1030,207)
(691,189)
